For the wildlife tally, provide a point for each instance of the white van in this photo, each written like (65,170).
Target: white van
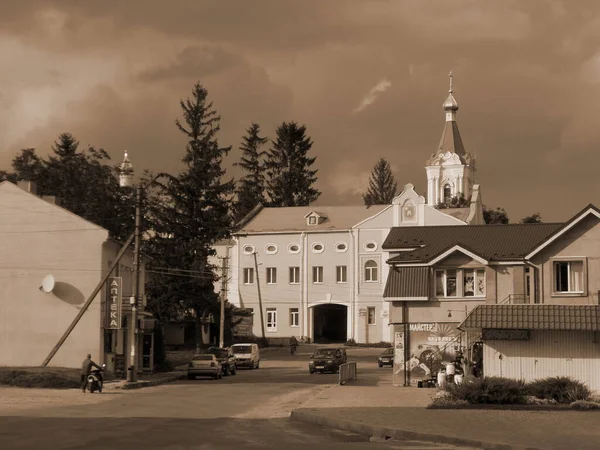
(246,355)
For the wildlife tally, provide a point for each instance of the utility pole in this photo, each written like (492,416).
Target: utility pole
(223,297)
(262,322)
(131,374)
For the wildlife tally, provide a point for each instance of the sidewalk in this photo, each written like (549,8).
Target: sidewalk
(384,410)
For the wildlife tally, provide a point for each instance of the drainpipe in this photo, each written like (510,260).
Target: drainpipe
(351,312)
(304,287)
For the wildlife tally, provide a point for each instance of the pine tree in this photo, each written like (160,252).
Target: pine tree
(251,187)
(382,185)
(189,215)
(290,178)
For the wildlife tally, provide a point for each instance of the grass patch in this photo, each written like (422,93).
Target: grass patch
(40,377)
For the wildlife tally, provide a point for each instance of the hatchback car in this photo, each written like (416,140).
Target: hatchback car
(327,359)
(226,358)
(386,358)
(204,365)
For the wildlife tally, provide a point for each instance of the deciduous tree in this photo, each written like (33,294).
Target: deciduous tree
(495,216)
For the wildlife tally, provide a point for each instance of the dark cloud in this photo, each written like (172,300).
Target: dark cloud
(527,80)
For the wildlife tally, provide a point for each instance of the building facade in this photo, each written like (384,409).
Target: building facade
(50,263)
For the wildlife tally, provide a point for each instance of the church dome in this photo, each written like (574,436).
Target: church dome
(450,104)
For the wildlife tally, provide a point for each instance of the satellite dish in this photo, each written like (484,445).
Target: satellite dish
(47,284)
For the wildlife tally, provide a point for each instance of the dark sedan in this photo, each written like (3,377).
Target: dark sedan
(386,358)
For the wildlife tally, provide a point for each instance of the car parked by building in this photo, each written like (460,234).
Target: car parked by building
(386,358)
(226,359)
(246,355)
(327,359)
(205,365)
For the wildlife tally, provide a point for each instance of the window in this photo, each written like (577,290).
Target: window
(248,275)
(312,220)
(445,283)
(318,247)
(271,249)
(271,319)
(341,274)
(294,317)
(474,283)
(371,275)
(341,247)
(371,315)
(271,275)
(294,248)
(370,246)
(248,249)
(568,276)
(294,275)
(317,274)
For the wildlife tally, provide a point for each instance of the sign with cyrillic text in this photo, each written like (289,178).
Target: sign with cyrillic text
(114,303)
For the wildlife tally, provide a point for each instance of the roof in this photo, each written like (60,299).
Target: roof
(491,242)
(458,213)
(451,140)
(534,317)
(407,283)
(293,218)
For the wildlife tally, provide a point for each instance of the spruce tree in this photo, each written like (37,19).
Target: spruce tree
(189,215)
(251,187)
(290,178)
(382,185)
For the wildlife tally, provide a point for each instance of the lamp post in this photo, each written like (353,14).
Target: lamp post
(131,373)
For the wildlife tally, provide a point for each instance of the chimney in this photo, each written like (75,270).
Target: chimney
(53,199)
(28,186)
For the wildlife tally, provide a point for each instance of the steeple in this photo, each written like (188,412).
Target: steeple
(125,172)
(450,169)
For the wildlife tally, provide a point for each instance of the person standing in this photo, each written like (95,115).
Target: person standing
(86,368)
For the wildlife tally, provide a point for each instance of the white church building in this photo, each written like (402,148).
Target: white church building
(318,272)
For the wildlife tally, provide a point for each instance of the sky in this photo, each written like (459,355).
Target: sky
(366,77)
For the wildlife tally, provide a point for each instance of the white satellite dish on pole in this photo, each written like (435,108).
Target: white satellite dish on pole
(47,284)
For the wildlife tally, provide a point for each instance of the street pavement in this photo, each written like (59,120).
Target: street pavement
(247,411)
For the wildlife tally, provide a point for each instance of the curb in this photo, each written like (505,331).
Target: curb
(149,383)
(310,416)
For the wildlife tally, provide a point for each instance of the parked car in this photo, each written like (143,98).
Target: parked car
(246,355)
(327,359)
(386,358)
(226,358)
(204,365)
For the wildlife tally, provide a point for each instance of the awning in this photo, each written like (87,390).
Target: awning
(534,317)
(407,284)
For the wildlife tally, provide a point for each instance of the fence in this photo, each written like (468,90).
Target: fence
(347,372)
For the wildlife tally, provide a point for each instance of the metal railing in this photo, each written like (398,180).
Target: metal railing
(516,299)
(347,372)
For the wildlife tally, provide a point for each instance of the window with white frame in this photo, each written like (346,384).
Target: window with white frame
(294,317)
(341,247)
(248,275)
(317,274)
(248,249)
(294,275)
(318,247)
(294,248)
(371,271)
(271,319)
(371,315)
(445,283)
(271,249)
(568,277)
(271,275)
(312,220)
(370,246)
(341,274)
(474,282)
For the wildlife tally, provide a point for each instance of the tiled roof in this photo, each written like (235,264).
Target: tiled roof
(492,242)
(534,317)
(407,282)
(293,218)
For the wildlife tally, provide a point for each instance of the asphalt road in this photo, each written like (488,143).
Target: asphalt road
(247,411)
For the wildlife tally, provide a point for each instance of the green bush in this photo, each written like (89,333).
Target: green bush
(492,390)
(561,389)
(382,344)
(27,379)
(447,403)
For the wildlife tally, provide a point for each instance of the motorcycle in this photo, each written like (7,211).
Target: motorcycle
(292,349)
(95,380)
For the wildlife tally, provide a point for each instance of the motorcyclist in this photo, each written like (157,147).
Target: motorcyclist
(86,368)
(293,344)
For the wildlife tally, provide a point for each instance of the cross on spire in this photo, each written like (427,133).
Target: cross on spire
(450,75)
